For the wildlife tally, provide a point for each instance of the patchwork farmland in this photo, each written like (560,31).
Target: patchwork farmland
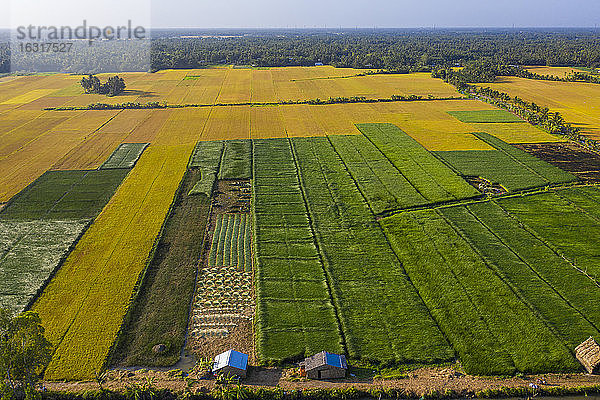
(400,233)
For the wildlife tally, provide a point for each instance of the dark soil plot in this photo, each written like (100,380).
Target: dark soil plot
(65,195)
(568,156)
(160,312)
(485,116)
(125,156)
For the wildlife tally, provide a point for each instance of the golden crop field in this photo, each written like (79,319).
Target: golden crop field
(228,123)
(266,122)
(579,103)
(82,309)
(559,72)
(146,131)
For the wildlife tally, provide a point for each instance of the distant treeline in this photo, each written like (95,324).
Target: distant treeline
(398,50)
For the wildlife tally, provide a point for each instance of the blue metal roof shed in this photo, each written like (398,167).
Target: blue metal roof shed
(231,362)
(325,365)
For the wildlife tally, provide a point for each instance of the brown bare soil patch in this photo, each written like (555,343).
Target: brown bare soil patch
(569,156)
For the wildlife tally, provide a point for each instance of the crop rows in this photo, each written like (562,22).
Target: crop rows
(65,195)
(494,166)
(295,316)
(382,185)
(490,327)
(30,251)
(231,242)
(237,158)
(485,116)
(542,278)
(206,157)
(430,177)
(125,156)
(519,169)
(568,221)
(381,314)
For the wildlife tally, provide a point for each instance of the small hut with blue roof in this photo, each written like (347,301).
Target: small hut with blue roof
(231,363)
(325,365)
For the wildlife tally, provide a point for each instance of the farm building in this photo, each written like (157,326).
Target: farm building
(325,365)
(231,363)
(588,354)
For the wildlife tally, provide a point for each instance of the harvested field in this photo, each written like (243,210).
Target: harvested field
(569,156)
(160,312)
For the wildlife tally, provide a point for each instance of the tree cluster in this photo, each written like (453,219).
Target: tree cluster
(24,352)
(114,86)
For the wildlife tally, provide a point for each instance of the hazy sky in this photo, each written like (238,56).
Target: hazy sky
(316,13)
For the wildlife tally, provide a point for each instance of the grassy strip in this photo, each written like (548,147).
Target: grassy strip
(550,173)
(65,195)
(557,311)
(160,312)
(382,316)
(430,177)
(493,331)
(125,156)
(485,116)
(562,225)
(347,393)
(82,309)
(294,314)
(236,160)
(382,185)
(206,157)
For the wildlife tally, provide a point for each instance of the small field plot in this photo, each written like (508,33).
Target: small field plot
(429,176)
(508,166)
(545,281)
(207,158)
(567,220)
(65,195)
(237,160)
(517,133)
(295,316)
(125,156)
(539,167)
(231,242)
(380,312)
(30,251)
(382,185)
(491,329)
(485,116)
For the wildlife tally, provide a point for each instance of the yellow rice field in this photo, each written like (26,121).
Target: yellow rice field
(82,309)
(579,103)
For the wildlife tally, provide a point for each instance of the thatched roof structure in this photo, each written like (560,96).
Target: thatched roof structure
(588,354)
